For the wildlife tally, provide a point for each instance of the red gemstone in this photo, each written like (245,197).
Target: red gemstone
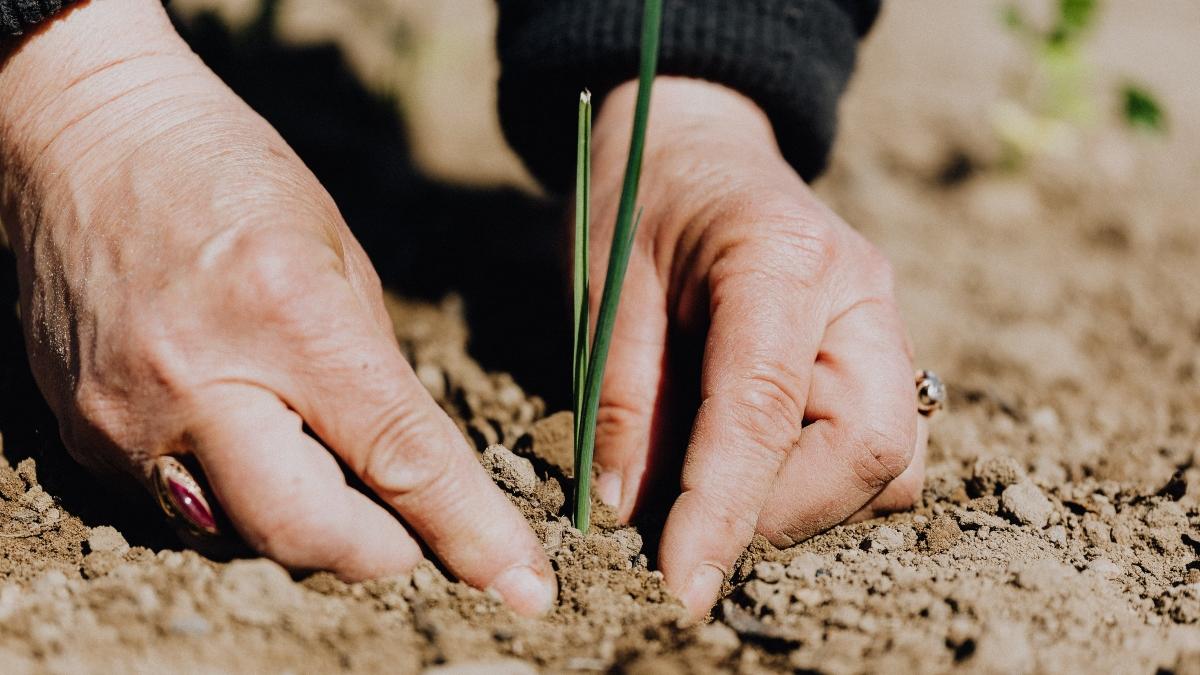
(191,506)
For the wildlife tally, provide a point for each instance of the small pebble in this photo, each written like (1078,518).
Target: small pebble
(943,533)
(189,624)
(1166,514)
(1097,533)
(719,638)
(1044,574)
(23,515)
(885,539)
(482,433)
(258,592)
(433,379)
(1105,568)
(1045,421)
(423,578)
(496,666)
(510,470)
(993,474)
(1026,504)
(769,571)
(805,567)
(1057,535)
(106,539)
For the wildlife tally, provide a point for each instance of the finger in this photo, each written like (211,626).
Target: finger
(905,491)
(286,494)
(863,431)
(364,401)
(763,337)
(632,391)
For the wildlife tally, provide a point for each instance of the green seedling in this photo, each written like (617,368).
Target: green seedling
(590,359)
(1059,100)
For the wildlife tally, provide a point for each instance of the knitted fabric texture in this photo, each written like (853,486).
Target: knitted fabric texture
(17,16)
(792,57)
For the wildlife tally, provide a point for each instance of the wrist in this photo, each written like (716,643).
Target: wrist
(66,85)
(696,113)
(84,40)
(92,92)
(702,140)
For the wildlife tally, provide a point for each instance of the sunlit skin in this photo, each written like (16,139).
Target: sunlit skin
(188,286)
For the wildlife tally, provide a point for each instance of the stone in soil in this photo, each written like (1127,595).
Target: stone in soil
(1025,503)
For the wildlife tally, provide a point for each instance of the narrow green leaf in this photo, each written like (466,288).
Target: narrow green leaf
(583,180)
(622,245)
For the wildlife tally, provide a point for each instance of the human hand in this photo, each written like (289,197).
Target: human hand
(807,408)
(188,287)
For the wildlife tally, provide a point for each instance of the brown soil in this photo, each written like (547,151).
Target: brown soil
(1059,530)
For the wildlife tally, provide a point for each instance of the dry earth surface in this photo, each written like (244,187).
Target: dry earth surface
(1060,527)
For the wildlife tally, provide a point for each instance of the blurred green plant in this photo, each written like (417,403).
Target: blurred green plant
(589,361)
(1060,100)
(1142,110)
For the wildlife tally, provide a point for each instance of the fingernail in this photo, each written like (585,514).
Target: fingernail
(525,590)
(608,487)
(702,589)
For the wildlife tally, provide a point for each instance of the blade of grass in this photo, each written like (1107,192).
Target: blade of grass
(622,245)
(583,181)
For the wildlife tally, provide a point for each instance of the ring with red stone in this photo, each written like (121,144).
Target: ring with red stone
(182,498)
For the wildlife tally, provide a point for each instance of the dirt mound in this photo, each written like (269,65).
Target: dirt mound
(1059,528)
(999,569)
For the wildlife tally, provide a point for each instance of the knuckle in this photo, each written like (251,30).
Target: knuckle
(274,273)
(811,249)
(780,533)
(769,408)
(618,417)
(397,463)
(878,458)
(788,250)
(726,513)
(880,271)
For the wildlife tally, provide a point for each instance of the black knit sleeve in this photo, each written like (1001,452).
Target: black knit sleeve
(792,57)
(17,16)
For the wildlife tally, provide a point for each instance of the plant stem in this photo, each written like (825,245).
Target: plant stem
(583,180)
(622,245)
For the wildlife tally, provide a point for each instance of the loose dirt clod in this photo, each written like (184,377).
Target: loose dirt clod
(106,539)
(1026,504)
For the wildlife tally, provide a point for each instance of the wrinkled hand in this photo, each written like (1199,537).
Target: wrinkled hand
(189,287)
(807,411)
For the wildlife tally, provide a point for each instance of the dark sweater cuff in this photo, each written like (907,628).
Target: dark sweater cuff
(792,57)
(17,16)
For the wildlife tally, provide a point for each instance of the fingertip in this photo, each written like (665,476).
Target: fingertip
(531,590)
(699,590)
